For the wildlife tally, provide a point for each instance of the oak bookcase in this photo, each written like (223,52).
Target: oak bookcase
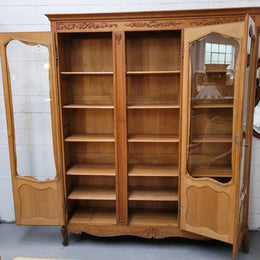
(152,124)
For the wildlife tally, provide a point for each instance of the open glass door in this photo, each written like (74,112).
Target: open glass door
(28,67)
(246,130)
(213,58)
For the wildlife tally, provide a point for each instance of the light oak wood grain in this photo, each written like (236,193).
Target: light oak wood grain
(153,195)
(152,106)
(90,193)
(153,170)
(88,106)
(87,73)
(153,218)
(89,138)
(158,72)
(153,138)
(91,170)
(94,216)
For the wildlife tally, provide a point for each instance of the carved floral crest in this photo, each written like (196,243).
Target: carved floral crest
(216,21)
(83,25)
(152,24)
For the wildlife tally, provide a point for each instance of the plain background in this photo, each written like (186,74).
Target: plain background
(28,15)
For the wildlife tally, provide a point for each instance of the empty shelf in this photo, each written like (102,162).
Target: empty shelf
(92,170)
(86,73)
(152,217)
(153,106)
(153,138)
(154,72)
(93,216)
(87,193)
(77,106)
(224,105)
(153,170)
(89,138)
(153,195)
(212,172)
(212,139)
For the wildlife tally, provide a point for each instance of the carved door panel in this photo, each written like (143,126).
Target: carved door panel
(31,104)
(211,106)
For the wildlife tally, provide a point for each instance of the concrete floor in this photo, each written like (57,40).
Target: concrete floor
(45,242)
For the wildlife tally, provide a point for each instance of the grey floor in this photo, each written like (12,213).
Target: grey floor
(35,241)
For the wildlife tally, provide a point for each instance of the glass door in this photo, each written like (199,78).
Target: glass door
(212,79)
(32,122)
(246,129)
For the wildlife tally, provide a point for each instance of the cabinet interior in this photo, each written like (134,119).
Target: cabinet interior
(153,62)
(153,75)
(86,78)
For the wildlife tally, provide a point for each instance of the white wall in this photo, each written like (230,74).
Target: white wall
(28,15)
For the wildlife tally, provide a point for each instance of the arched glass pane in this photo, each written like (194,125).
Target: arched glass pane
(29,76)
(212,76)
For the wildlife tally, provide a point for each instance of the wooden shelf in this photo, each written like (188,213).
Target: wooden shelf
(92,170)
(89,138)
(153,171)
(214,71)
(86,73)
(87,193)
(89,106)
(156,72)
(152,106)
(153,139)
(213,105)
(153,195)
(93,216)
(152,217)
(217,71)
(212,172)
(212,139)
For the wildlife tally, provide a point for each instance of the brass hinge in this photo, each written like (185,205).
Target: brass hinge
(9,132)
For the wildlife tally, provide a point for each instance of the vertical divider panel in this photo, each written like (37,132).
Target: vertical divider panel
(180,126)
(120,122)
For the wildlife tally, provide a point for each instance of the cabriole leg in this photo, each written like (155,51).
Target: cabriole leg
(64,233)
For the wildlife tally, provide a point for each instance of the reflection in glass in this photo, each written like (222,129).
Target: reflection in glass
(212,66)
(256,124)
(29,76)
(244,159)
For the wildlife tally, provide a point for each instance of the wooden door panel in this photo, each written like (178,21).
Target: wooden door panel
(37,201)
(199,210)
(208,208)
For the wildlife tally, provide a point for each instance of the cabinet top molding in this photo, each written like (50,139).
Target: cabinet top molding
(202,13)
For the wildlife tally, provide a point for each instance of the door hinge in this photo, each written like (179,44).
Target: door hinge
(56,56)
(236,139)
(64,205)
(9,132)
